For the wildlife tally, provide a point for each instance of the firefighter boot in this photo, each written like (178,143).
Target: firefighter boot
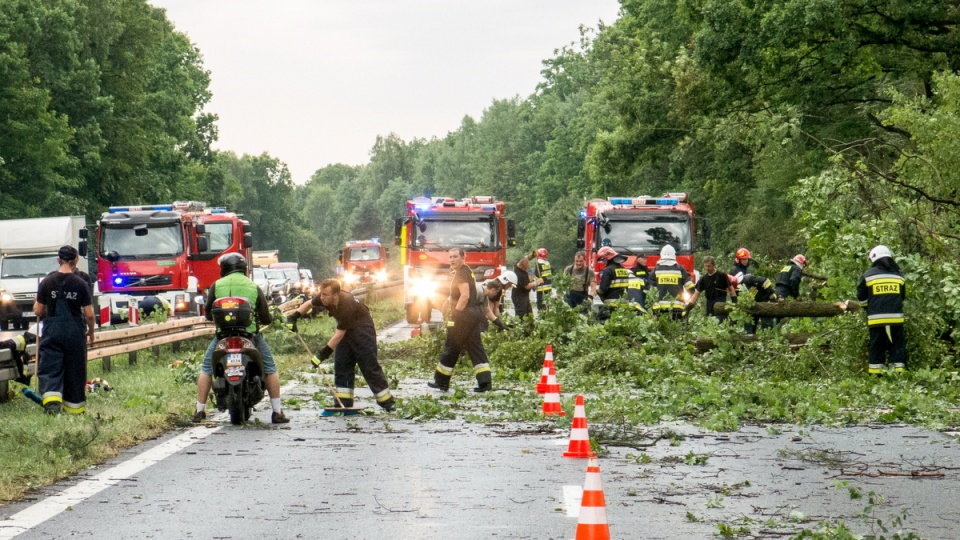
(440,382)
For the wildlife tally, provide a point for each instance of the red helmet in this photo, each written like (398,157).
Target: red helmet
(542,253)
(742,253)
(606,253)
(800,259)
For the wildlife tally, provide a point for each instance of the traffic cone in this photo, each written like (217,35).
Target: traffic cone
(579,438)
(592,524)
(548,375)
(551,401)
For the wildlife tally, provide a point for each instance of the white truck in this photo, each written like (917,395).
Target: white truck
(28,252)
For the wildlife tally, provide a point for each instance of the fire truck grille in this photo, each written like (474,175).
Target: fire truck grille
(142,281)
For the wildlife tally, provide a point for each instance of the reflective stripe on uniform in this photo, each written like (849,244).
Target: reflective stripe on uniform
(480,368)
(73,408)
(344,393)
(884,318)
(444,370)
(383,395)
(52,397)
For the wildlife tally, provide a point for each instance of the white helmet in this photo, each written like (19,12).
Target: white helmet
(879,252)
(508,277)
(668,253)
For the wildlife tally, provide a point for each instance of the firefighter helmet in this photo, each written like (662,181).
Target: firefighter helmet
(668,252)
(509,277)
(542,253)
(232,262)
(742,253)
(800,260)
(606,253)
(879,252)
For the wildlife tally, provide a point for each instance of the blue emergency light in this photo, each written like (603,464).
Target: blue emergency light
(118,209)
(118,281)
(667,202)
(621,201)
(218,210)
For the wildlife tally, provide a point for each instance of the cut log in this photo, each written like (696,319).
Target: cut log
(795,340)
(790,309)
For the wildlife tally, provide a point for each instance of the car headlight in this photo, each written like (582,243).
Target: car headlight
(5,296)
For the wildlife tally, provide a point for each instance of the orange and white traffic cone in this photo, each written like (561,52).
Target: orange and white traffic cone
(551,401)
(579,437)
(592,524)
(548,375)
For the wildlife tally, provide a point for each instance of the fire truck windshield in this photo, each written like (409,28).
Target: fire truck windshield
(364,254)
(647,236)
(158,242)
(472,235)
(219,235)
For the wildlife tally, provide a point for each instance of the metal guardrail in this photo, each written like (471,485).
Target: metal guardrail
(109,343)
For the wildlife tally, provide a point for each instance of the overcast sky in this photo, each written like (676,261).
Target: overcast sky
(313,82)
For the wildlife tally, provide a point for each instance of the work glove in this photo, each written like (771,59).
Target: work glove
(499,324)
(322,356)
(291,323)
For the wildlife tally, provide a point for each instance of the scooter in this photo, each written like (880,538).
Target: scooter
(238,378)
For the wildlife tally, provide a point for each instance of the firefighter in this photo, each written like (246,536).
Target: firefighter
(618,285)
(883,289)
(464,327)
(64,305)
(741,263)
(672,283)
(762,290)
(353,344)
(543,275)
(788,281)
(234,282)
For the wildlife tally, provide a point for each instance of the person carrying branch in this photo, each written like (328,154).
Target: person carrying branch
(353,344)
(883,288)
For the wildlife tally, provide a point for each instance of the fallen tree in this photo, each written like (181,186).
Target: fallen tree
(782,310)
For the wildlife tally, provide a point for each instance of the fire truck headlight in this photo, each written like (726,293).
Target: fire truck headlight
(422,288)
(117,280)
(5,296)
(350,278)
(381,275)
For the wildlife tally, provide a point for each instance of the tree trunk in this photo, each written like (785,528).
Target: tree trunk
(795,340)
(790,309)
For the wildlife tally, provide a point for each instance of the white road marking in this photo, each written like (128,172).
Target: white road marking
(51,506)
(36,514)
(572,498)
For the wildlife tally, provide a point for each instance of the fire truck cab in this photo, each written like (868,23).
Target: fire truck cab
(434,225)
(167,251)
(363,261)
(639,227)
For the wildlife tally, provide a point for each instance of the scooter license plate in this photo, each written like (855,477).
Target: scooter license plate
(234,359)
(234,372)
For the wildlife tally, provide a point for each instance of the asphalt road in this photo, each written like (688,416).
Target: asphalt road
(376,476)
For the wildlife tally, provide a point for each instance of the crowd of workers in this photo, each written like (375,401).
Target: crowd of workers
(624,282)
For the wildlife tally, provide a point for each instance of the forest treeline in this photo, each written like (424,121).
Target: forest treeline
(816,127)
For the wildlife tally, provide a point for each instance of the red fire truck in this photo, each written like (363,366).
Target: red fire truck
(168,251)
(638,227)
(363,261)
(431,227)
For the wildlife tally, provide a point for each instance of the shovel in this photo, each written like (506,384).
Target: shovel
(340,410)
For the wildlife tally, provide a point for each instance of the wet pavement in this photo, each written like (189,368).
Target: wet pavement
(375,476)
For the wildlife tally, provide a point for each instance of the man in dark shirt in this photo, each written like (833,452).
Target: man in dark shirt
(464,327)
(63,305)
(521,292)
(354,343)
(714,285)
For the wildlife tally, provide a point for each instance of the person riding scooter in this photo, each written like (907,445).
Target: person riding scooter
(234,282)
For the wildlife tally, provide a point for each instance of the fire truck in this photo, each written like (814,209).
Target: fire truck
(639,227)
(363,261)
(431,227)
(168,251)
